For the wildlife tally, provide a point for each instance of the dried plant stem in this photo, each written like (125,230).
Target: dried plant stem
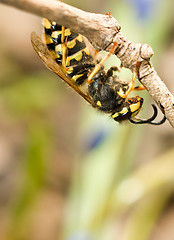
(102,31)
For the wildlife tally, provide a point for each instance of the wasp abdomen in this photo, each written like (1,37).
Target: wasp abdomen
(78,60)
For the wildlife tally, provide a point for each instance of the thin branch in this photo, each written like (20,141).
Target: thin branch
(102,31)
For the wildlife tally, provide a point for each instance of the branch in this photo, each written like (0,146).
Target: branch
(102,31)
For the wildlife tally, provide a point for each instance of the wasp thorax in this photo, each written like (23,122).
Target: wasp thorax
(103,95)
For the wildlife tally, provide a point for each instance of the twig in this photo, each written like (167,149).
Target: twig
(102,31)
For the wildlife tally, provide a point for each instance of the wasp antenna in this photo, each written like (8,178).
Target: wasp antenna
(149,120)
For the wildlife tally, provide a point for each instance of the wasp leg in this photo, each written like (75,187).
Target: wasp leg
(99,65)
(109,14)
(130,86)
(114,69)
(63,47)
(130,108)
(137,88)
(149,120)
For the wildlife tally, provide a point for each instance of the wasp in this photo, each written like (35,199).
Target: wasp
(71,56)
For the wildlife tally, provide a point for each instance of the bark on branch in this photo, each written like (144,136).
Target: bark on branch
(102,31)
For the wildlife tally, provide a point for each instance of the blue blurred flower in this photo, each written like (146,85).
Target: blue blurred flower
(94,138)
(145,8)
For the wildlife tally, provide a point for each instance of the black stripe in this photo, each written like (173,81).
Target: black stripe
(81,68)
(51,46)
(59,60)
(72,36)
(48,31)
(81,79)
(79,46)
(85,58)
(56,27)
(123,116)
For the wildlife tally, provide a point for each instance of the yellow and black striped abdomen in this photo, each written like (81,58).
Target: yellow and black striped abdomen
(70,50)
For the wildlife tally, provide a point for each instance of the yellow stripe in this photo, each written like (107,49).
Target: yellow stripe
(77,56)
(80,38)
(47,39)
(115,115)
(69,70)
(134,107)
(54,23)
(86,51)
(67,32)
(71,44)
(123,111)
(55,34)
(46,23)
(75,77)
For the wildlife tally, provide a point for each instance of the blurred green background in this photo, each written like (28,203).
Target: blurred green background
(68,171)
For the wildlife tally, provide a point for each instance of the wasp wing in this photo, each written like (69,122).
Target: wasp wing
(45,55)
